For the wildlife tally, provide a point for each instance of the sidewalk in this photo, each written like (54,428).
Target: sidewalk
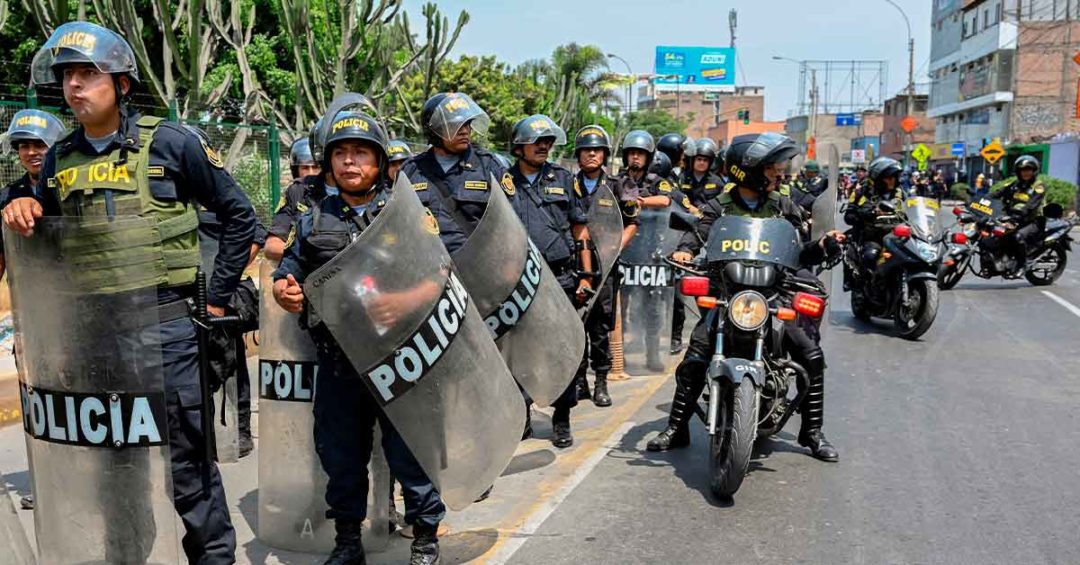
(536,479)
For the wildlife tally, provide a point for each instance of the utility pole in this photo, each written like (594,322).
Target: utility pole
(813,107)
(733,23)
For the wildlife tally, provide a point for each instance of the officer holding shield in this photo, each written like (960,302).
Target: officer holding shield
(310,184)
(345,412)
(117,163)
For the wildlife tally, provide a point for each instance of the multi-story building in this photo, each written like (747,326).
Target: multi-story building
(895,142)
(704,109)
(845,131)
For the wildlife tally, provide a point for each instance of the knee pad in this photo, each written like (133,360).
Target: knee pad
(692,368)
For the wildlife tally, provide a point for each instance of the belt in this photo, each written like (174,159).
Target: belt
(175,310)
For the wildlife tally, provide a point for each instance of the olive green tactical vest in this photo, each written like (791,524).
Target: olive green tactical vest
(771,209)
(162,250)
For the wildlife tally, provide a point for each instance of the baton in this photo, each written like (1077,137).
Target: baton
(203,323)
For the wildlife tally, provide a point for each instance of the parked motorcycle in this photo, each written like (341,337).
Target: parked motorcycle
(976,245)
(747,281)
(900,280)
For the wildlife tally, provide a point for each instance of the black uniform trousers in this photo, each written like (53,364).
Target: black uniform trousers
(598,326)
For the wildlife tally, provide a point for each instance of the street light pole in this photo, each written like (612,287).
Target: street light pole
(630,77)
(910,78)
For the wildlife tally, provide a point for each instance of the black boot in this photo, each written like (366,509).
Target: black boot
(348,548)
(245,444)
(600,394)
(813,416)
(582,388)
(425,545)
(676,346)
(560,421)
(687,391)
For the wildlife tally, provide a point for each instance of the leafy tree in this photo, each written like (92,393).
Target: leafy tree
(656,122)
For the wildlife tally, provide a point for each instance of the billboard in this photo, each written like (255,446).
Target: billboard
(695,68)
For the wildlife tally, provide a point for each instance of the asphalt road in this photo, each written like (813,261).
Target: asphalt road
(960,448)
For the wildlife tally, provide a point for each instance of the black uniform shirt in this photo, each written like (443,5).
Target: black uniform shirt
(549,207)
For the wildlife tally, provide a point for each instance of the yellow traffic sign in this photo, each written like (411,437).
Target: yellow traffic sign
(993,152)
(921,153)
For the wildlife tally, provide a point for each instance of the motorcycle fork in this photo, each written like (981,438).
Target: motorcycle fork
(904,292)
(714,382)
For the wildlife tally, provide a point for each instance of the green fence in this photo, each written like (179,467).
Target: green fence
(252,154)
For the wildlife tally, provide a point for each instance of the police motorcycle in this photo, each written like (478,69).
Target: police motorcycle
(747,282)
(903,284)
(979,229)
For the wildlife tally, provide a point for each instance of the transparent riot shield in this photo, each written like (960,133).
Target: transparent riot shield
(92,389)
(605,237)
(292,484)
(522,303)
(226,398)
(647,292)
(402,316)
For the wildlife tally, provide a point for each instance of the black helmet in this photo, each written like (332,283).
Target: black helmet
(318,137)
(671,144)
(639,139)
(356,126)
(32,124)
(592,137)
(661,164)
(882,168)
(748,155)
(534,128)
(706,148)
(398,150)
(83,42)
(445,113)
(1026,162)
(689,148)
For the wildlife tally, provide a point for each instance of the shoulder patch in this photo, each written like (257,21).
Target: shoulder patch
(686,202)
(212,155)
(431,225)
(508,184)
(632,208)
(664,186)
(1039,189)
(301,207)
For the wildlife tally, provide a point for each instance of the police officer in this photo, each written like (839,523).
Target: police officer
(592,149)
(452,176)
(301,162)
(759,159)
(555,219)
(812,182)
(310,184)
(661,166)
(671,145)
(653,193)
(30,135)
(864,207)
(700,183)
(345,412)
(1023,197)
(399,153)
(176,171)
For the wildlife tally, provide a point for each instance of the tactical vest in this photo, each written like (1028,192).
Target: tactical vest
(165,252)
(330,233)
(728,207)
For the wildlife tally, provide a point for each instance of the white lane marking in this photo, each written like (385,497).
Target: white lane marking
(540,515)
(1068,305)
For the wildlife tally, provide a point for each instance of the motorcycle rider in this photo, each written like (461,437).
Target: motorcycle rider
(345,412)
(864,208)
(1023,197)
(757,162)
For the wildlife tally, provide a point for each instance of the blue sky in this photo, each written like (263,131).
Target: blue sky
(517,30)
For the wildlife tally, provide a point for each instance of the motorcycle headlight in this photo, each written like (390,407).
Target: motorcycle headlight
(928,252)
(748,310)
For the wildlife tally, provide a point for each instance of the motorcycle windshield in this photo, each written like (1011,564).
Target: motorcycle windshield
(770,240)
(922,215)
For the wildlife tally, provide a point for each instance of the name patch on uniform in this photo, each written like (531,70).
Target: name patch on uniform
(403,369)
(651,276)
(1023,196)
(419,186)
(288,381)
(606,202)
(509,313)
(155,172)
(112,420)
(555,190)
(709,185)
(476,185)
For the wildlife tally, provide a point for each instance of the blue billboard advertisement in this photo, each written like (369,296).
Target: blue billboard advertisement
(698,67)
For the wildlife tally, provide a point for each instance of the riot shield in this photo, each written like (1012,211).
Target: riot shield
(605,237)
(521,301)
(292,484)
(404,319)
(824,211)
(92,389)
(226,398)
(647,291)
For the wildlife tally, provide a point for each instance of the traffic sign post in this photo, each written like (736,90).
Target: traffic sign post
(993,152)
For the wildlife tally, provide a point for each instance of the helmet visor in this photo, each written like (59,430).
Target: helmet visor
(537,127)
(82,42)
(454,112)
(33,124)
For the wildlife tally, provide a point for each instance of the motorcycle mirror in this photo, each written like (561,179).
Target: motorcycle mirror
(957,211)
(682,221)
(1054,211)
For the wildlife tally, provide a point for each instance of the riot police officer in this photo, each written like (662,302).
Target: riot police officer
(864,207)
(160,171)
(399,153)
(671,145)
(30,135)
(759,160)
(555,219)
(700,183)
(1023,197)
(301,162)
(653,192)
(310,184)
(345,412)
(452,178)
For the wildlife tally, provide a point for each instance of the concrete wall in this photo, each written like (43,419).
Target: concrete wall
(1046,95)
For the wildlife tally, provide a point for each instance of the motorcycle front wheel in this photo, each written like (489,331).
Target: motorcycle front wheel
(949,276)
(731,445)
(915,318)
(1049,268)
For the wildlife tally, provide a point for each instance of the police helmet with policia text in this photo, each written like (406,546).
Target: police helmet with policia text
(33,125)
(82,43)
(748,156)
(593,137)
(639,139)
(445,113)
(398,151)
(347,100)
(350,125)
(532,129)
